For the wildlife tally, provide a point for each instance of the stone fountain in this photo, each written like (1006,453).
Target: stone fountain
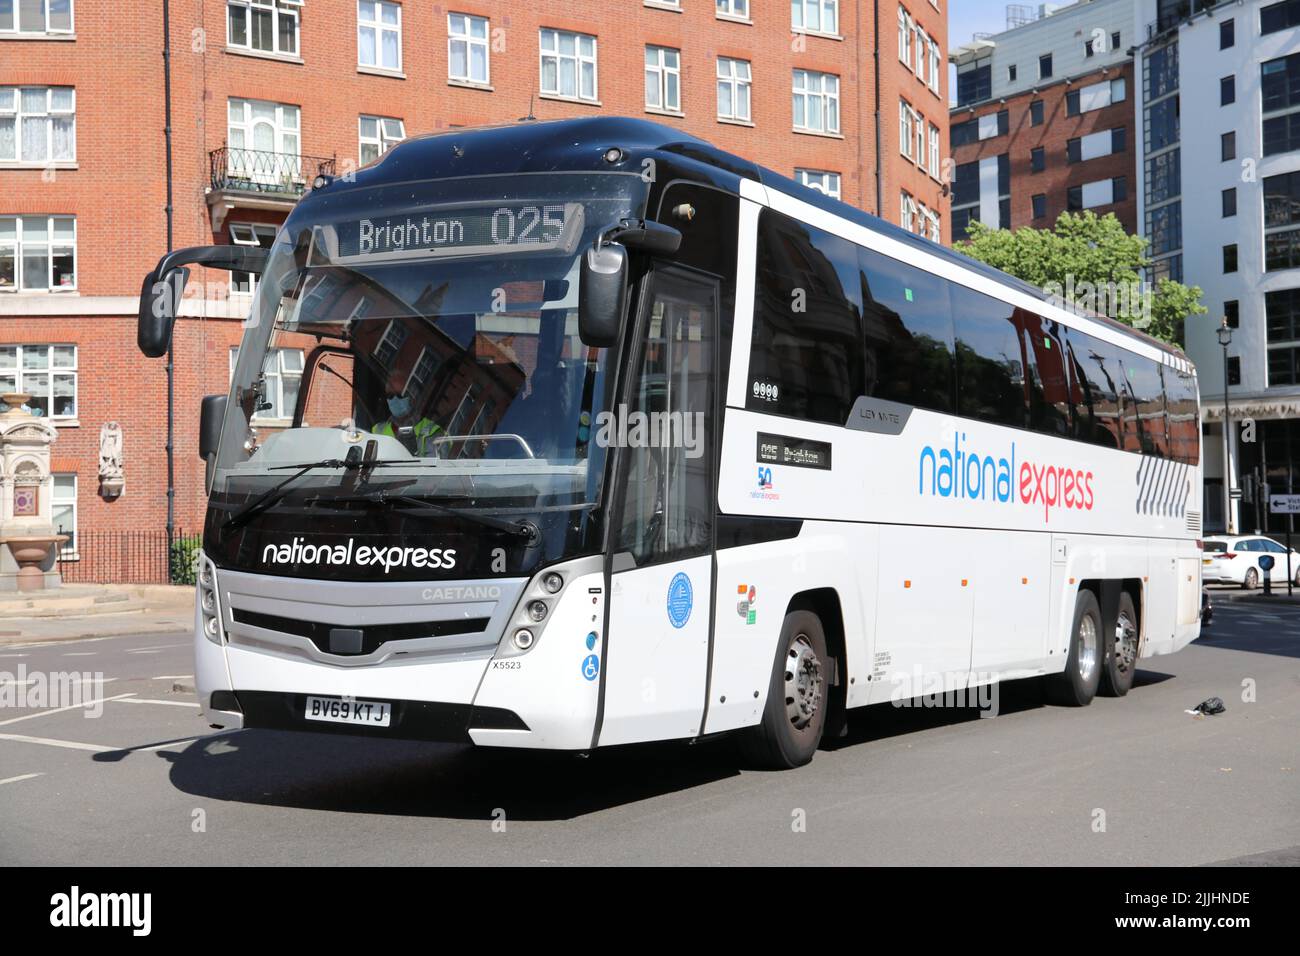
(28,542)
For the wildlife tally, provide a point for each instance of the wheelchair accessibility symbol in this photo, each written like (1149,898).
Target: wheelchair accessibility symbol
(591,667)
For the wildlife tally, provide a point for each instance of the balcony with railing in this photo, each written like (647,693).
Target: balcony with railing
(260,179)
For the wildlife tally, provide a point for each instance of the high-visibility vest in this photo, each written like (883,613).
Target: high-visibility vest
(424,430)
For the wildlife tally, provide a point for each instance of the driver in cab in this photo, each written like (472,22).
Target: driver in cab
(404,423)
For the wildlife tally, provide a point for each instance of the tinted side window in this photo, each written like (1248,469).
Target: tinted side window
(806,358)
(1048,385)
(1092,364)
(908,323)
(1184,426)
(1145,414)
(990,359)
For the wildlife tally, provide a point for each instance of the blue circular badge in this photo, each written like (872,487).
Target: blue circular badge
(681,598)
(591,667)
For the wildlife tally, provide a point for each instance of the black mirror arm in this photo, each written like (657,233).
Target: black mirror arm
(231,258)
(643,234)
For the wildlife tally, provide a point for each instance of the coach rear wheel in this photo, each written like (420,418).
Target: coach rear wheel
(795,712)
(1252,579)
(1121,651)
(1077,684)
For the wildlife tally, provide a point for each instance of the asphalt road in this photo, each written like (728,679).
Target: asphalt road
(1129,781)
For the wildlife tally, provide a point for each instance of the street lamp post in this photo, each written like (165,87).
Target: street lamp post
(1225,339)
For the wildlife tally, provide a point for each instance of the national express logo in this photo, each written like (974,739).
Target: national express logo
(960,473)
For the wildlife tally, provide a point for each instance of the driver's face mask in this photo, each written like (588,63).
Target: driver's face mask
(399,405)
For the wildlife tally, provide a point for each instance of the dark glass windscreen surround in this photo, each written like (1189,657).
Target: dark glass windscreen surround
(438,320)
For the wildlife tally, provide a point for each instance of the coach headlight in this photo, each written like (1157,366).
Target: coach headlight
(209,607)
(534,611)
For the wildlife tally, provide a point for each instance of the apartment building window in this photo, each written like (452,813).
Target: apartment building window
(467,49)
(936,61)
(249,234)
(1045,66)
(733,9)
(1095,96)
(283,372)
(906,128)
(262,26)
(1282,222)
(734,86)
(1282,325)
(1036,113)
(904,36)
(1234,370)
(920,141)
(1102,192)
(1232,313)
(820,180)
(979,128)
(38,253)
(568,64)
(663,79)
(263,126)
(1011,73)
(921,46)
(1279,16)
(934,151)
(1227,34)
(48,373)
(907,216)
(1279,82)
(815,16)
(1037,159)
(1227,146)
(1227,90)
(377,135)
(936,233)
(379,35)
(35,17)
(974,81)
(1228,201)
(1040,205)
(1095,145)
(816,101)
(63,507)
(1230,258)
(38,124)
(1114,40)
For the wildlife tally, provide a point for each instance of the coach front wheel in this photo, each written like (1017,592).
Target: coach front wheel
(797,693)
(1077,684)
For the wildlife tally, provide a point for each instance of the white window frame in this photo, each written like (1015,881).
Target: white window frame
(825,181)
(17,250)
(12,111)
(919,120)
(920,41)
(260,234)
(288,139)
(57,502)
(380,27)
(934,65)
(277,8)
(275,372)
(394,337)
(904,36)
(420,382)
(12,377)
(935,160)
(907,211)
(823,91)
(577,60)
(731,78)
(659,74)
(460,31)
(906,129)
(383,140)
(48,31)
(732,10)
(799,10)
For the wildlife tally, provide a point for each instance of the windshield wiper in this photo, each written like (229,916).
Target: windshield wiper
(271,496)
(521,529)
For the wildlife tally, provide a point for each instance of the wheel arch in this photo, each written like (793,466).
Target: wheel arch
(825,603)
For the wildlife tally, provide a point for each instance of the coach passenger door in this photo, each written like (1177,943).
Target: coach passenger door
(657,648)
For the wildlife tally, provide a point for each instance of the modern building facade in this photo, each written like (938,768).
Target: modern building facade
(1043,121)
(1220,201)
(208,122)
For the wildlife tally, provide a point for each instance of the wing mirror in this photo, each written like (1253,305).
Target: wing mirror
(603,277)
(160,294)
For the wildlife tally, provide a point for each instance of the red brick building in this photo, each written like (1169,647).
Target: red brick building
(264,94)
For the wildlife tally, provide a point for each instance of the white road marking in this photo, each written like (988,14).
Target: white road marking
(150,700)
(174,677)
(13,655)
(67,744)
(59,710)
(24,776)
(146,650)
(81,653)
(156,647)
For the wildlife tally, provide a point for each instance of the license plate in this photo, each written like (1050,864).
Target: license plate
(336,710)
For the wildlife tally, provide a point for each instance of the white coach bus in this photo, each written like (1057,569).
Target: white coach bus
(583,433)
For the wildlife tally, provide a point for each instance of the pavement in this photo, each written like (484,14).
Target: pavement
(138,778)
(80,611)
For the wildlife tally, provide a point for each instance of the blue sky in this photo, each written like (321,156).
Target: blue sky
(976,16)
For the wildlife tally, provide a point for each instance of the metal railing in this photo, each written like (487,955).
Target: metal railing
(259,171)
(130,557)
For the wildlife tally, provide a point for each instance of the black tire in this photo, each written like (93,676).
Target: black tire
(1077,684)
(797,698)
(1251,581)
(1120,663)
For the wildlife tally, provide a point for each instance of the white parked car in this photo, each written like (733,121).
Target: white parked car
(1235,560)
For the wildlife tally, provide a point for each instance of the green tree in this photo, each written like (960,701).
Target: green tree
(1091,262)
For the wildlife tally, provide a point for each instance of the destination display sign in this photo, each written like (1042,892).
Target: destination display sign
(458,231)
